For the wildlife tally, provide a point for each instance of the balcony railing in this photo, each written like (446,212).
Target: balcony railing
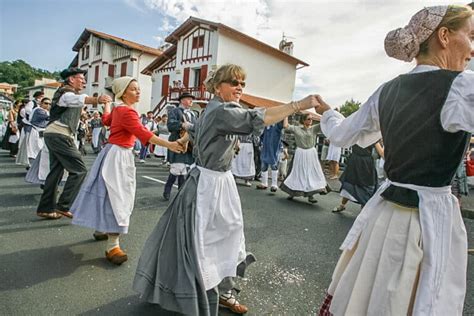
(199,93)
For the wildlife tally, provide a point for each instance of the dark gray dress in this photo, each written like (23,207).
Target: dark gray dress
(168,272)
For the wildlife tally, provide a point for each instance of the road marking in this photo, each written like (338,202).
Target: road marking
(156,180)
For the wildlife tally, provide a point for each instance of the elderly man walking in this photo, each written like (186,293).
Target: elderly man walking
(180,119)
(59,137)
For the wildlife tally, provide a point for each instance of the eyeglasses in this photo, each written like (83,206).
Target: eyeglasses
(47,103)
(235,83)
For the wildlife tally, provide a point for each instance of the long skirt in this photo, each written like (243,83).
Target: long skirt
(35,143)
(357,193)
(22,157)
(306,177)
(95,136)
(92,207)
(6,137)
(243,165)
(201,233)
(40,168)
(402,261)
(160,150)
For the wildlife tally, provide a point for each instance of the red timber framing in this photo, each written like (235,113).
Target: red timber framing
(123,69)
(203,75)
(165,83)
(186,77)
(196,46)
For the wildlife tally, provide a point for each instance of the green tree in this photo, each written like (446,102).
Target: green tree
(21,73)
(350,107)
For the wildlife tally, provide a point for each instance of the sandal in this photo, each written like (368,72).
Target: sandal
(228,300)
(338,209)
(261,187)
(52,215)
(65,213)
(100,236)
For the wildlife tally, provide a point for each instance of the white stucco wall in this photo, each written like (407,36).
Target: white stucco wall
(267,76)
(104,59)
(143,60)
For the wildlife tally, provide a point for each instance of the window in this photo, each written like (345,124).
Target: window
(123,69)
(111,72)
(197,77)
(198,41)
(96,75)
(87,52)
(97,47)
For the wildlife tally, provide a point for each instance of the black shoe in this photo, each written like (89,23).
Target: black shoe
(311,199)
(100,236)
(166,196)
(290,197)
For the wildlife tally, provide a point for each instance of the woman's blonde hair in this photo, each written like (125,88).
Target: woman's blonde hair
(225,73)
(453,20)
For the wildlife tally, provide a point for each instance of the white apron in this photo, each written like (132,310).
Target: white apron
(160,150)
(95,136)
(243,165)
(35,143)
(306,174)
(43,170)
(429,244)
(219,227)
(118,172)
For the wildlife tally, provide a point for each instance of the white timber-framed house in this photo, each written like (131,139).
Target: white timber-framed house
(106,57)
(199,46)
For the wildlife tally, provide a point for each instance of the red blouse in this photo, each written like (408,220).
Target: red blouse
(125,127)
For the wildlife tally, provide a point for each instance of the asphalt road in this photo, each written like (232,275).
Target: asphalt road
(55,268)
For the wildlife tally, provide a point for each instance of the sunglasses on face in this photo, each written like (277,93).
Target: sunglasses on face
(235,83)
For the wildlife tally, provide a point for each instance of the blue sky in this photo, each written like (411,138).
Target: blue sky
(342,40)
(42,32)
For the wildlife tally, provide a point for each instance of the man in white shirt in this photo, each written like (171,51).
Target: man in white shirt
(59,137)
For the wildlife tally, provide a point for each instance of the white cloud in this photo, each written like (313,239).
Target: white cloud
(341,40)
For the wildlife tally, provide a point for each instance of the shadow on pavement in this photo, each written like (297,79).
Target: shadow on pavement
(26,268)
(30,228)
(15,200)
(132,305)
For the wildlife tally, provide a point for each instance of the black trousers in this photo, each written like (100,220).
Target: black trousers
(63,155)
(171,180)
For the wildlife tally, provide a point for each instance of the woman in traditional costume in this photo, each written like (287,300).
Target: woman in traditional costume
(306,177)
(359,179)
(406,253)
(105,201)
(199,242)
(243,164)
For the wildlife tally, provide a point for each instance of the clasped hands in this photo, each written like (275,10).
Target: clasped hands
(314,101)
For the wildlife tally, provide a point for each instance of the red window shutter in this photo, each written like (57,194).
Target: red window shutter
(186,77)
(198,41)
(123,69)
(203,75)
(165,83)
(96,75)
(111,71)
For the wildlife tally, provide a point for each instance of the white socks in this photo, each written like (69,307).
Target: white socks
(274,178)
(113,241)
(265,178)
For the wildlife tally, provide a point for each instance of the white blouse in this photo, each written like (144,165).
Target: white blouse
(363,127)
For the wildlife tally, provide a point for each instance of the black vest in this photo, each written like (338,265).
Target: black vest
(417,149)
(67,115)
